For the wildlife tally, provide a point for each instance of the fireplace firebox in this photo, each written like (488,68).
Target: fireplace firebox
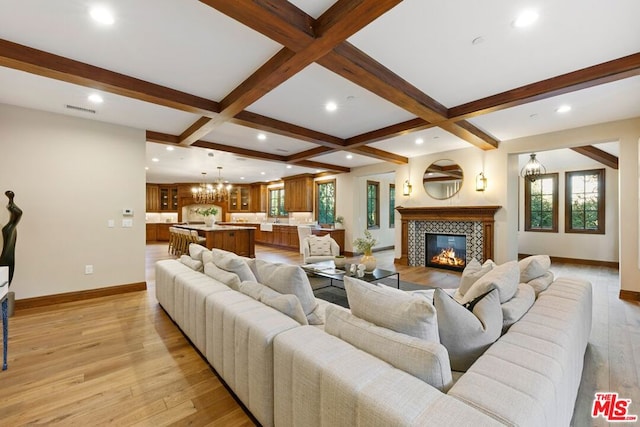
(448,251)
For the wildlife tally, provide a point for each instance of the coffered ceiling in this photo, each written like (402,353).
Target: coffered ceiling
(408,78)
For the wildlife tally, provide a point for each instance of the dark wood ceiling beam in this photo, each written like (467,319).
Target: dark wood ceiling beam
(162,138)
(244,152)
(354,65)
(605,72)
(380,154)
(267,124)
(392,131)
(325,166)
(308,154)
(594,153)
(24,58)
(342,20)
(280,21)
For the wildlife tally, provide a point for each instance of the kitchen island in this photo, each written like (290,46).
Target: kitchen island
(232,238)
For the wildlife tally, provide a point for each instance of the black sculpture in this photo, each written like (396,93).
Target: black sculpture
(9,235)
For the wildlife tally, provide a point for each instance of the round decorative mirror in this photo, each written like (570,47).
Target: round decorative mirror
(442,179)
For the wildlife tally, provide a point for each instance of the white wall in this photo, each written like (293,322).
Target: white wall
(70,177)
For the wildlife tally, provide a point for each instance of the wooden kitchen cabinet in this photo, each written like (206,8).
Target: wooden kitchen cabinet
(239,199)
(298,193)
(258,198)
(168,199)
(153,198)
(152,232)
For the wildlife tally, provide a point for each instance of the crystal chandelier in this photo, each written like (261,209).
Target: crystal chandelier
(532,169)
(206,194)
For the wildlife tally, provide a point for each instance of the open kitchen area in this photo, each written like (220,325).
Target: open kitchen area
(241,217)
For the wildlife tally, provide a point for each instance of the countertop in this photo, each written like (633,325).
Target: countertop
(214,227)
(313,227)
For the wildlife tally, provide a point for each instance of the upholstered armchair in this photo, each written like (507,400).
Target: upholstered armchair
(316,249)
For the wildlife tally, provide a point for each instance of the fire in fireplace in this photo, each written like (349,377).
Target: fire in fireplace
(447,251)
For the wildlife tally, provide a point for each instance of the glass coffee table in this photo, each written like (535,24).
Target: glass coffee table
(328,270)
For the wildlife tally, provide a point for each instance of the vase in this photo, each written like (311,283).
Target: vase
(209,221)
(369,262)
(339,261)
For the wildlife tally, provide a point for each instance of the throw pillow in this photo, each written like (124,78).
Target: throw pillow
(541,283)
(207,257)
(533,267)
(517,306)
(504,278)
(286,304)
(467,334)
(231,262)
(472,272)
(191,263)
(195,251)
(427,360)
(230,279)
(289,279)
(319,247)
(392,309)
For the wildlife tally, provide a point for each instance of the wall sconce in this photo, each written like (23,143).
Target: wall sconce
(406,188)
(481,182)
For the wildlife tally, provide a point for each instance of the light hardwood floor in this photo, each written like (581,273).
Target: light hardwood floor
(119,360)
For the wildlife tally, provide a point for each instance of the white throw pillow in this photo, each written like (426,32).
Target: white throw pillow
(319,247)
(191,263)
(541,283)
(427,360)
(533,267)
(467,334)
(504,278)
(286,304)
(196,250)
(392,309)
(289,279)
(231,262)
(517,306)
(228,278)
(472,272)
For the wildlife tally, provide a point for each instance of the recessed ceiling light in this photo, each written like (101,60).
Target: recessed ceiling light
(170,148)
(146,168)
(289,166)
(242,177)
(419,141)
(95,98)
(349,156)
(331,106)
(525,19)
(262,136)
(102,15)
(263,173)
(563,109)
(155,159)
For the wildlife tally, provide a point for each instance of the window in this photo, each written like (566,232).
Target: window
(584,202)
(373,204)
(541,203)
(276,202)
(392,204)
(326,202)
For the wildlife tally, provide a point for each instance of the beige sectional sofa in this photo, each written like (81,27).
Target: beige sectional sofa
(348,371)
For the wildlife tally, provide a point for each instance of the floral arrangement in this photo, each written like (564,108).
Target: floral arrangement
(366,243)
(207,212)
(339,219)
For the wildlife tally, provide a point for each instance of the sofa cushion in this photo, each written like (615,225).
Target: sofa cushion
(427,360)
(541,283)
(533,267)
(472,272)
(286,304)
(467,334)
(392,309)
(196,251)
(228,278)
(289,279)
(503,277)
(191,263)
(231,262)
(517,306)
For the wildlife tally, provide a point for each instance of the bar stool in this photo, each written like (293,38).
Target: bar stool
(172,240)
(196,238)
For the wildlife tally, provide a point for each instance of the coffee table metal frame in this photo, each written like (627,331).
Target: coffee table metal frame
(327,270)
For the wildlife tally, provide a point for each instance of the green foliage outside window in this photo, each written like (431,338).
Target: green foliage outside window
(276,202)
(373,204)
(326,202)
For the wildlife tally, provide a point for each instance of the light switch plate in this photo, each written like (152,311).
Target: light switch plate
(126,223)
(111,223)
